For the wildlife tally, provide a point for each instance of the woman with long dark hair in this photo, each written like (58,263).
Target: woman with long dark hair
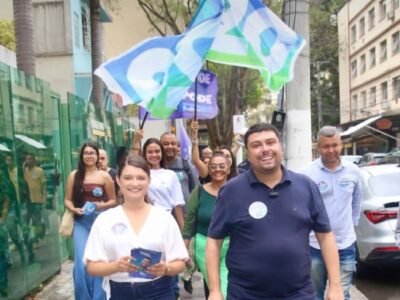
(165,188)
(112,249)
(89,192)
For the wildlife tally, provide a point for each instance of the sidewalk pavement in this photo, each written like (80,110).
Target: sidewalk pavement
(60,287)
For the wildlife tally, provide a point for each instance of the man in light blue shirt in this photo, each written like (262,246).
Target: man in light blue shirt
(339,182)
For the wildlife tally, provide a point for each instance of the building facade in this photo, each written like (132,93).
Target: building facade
(369,68)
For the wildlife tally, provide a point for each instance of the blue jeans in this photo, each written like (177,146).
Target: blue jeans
(159,289)
(87,287)
(319,274)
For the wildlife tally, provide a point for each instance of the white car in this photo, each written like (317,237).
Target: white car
(376,244)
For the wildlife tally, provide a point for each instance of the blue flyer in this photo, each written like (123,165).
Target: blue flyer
(88,208)
(143,258)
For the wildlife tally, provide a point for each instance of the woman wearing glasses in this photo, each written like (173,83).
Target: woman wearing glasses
(89,191)
(201,165)
(201,204)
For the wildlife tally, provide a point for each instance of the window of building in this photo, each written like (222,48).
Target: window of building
(77,31)
(28,81)
(21,113)
(395,43)
(364,99)
(396,88)
(384,91)
(382,9)
(362,64)
(362,27)
(354,69)
(396,4)
(354,105)
(30,115)
(353,34)
(17,76)
(85,28)
(372,58)
(372,96)
(371,18)
(383,51)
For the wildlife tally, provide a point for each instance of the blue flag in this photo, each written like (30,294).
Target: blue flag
(157,73)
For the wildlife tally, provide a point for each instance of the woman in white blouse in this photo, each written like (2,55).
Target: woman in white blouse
(135,224)
(165,189)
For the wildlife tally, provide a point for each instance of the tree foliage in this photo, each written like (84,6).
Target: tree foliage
(324,52)
(238,87)
(7,34)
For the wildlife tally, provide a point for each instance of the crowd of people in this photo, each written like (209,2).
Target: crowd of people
(264,232)
(291,230)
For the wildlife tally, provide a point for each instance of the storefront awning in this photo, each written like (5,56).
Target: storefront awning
(30,141)
(4,148)
(353,130)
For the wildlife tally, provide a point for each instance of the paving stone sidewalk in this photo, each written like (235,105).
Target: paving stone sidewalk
(60,287)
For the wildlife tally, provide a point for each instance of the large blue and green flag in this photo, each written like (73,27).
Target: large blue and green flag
(157,72)
(252,36)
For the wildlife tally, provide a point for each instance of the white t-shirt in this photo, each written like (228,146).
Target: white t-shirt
(112,237)
(165,189)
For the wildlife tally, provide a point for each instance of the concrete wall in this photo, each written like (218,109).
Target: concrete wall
(58,71)
(129,26)
(8,57)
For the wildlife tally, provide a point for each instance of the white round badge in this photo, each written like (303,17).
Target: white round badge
(258,210)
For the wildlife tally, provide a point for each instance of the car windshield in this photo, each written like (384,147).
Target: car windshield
(385,185)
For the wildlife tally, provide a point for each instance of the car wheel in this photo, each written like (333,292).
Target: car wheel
(361,267)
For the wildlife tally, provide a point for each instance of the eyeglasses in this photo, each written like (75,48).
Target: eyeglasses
(90,153)
(215,166)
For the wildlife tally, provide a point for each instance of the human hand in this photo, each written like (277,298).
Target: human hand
(124,264)
(215,295)
(238,138)
(159,269)
(138,136)
(195,129)
(334,292)
(77,211)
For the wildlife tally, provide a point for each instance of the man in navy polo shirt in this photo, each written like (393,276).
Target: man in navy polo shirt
(268,212)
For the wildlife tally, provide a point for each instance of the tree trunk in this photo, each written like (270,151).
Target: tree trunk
(23,22)
(97,55)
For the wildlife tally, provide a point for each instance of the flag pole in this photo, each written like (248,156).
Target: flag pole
(144,120)
(195,98)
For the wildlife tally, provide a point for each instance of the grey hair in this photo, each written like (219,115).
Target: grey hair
(327,131)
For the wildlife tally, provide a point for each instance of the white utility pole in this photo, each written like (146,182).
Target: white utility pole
(297,135)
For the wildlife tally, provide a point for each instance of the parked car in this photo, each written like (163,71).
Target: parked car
(352,158)
(375,232)
(390,158)
(370,159)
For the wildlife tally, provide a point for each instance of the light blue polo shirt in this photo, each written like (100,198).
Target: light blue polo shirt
(341,191)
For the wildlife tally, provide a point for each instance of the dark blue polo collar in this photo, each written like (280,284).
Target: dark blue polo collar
(286,177)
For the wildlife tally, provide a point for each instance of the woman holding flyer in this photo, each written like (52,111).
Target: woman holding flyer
(89,191)
(123,237)
(200,207)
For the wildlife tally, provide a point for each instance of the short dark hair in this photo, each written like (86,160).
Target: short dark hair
(260,127)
